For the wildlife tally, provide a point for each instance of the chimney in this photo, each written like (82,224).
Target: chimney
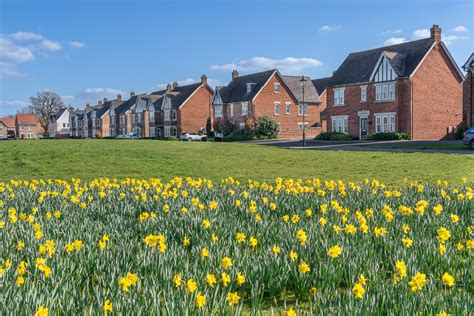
(132,93)
(119,97)
(203,79)
(169,87)
(99,102)
(235,74)
(436,33)
(175,84)
(105,100)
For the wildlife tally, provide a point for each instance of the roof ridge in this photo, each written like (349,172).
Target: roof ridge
(383,48)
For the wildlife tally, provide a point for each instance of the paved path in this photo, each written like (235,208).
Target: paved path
(366,146)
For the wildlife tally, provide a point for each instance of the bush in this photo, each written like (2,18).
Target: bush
(267,126)
(333,136)
(388,136)
(459,134)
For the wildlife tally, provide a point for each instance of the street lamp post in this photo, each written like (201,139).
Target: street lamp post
(303,83)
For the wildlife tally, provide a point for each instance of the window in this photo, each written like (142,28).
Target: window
(302,108)
(152,132)
(98,122)
(167,115)
(29,128)
(302,126)
(218,110)
(175,115)
(139,117)
(276,87)
(112,120)
(242,126)
(112,132)
(158,132)
(152,117)
(339,124)
(385,91)
(80,124)
(122,119)
(231,109)
(245,108)
(385,123)
(288,107)
(363,93)
(67,124)
(277,108)
(133,119)
(339,96)
(64,124)
(249,87)
(174,131)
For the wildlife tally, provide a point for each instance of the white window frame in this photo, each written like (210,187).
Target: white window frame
(385,122)
(218,110)
(139,117)
(242,126)
(174,131)
(152,116)
(167,115)
(340,124)
(167,131)
(276,87)
(152,132)
(385,91)
(174,115)
(363,94)
(133,119)
(245,108)
(277,108)
(288,108)
(339,96)
(301,109)
(231,109)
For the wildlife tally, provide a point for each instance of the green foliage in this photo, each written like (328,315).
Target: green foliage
(267,126)
(388,136)
(459,134)
(208,126)
(333,136)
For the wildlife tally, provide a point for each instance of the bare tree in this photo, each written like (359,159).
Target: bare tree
(43,105)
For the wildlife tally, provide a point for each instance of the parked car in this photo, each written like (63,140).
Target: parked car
(468,138)
(192,136)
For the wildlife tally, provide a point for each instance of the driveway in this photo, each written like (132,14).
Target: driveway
(406,146)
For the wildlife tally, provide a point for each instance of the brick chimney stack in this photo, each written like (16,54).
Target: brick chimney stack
(169,87)
(235,74)
(203,79)
(119,97)
(175,84)
(100,102)
(132,93)
(436,33)
(105,100)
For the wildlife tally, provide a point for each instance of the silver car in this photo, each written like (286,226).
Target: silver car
(468,139)
(192,136)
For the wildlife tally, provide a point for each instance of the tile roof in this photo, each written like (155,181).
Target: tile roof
(321,84)
(26,119)
(8,121)
(236,90)
(404,58)
(178,95)
(310,93)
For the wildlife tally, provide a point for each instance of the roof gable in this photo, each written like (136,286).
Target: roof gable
(469,64)
(236,90)
(321,84)
(294,85)
(384,71)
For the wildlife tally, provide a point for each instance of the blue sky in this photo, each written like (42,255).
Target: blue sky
(85,50)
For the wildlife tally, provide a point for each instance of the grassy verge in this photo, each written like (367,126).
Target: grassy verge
(459,147)
(88,159)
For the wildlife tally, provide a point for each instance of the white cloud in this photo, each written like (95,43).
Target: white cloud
(288,65)
(8,70)
(394,41)
(459,29)
(420,33)
(26,36)
(328,28)
(98,91)
(11,107)
(449,39)
(50,46)
(76,44)
(391,32)
(10,52)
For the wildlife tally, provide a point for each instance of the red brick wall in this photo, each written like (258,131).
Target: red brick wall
(468,100)
(264,104)
(105,125)
(437,97)
(192,116)
(3,131)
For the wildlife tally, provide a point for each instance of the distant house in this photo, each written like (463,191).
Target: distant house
(59,124)
(468,88)
(121,116)
(76,123)
(268,93)
(413,87)
(27,127)
(8,127)
(320,85)
(3,130)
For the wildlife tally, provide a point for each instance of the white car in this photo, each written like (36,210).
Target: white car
(192,136)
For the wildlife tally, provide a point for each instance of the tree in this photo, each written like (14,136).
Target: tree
(43,105)
(267,126)
(208,126)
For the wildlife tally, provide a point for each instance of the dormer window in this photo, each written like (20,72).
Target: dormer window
(249,87)
(276,87)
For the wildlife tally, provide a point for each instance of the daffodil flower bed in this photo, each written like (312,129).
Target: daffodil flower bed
(190,246)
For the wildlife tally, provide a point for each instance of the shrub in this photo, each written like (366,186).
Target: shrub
(267,126)
(459,134)
(388,136)
(333,136)
(208,126)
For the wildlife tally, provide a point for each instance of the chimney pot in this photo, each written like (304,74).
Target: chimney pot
(105,100)
(175,84)
(436,33)
(235,74)
(169,87)
(100,102)
(132,93)
(203,79)
(119,97)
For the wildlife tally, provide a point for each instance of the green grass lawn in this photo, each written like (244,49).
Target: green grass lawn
(88,159)
(459,147)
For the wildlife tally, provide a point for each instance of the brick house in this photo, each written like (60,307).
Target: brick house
(98,117)
(177,109)
(76,118)
(8,127)
(413,87)
(121,116)
(59,124)
(27,126)
(3,130)
(268,93)
(468,89)
(320,85)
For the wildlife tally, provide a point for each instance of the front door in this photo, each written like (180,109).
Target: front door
(363,127)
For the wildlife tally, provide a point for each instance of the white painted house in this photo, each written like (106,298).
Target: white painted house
(59,124)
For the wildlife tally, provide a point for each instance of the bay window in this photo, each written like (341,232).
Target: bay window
(339,124)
